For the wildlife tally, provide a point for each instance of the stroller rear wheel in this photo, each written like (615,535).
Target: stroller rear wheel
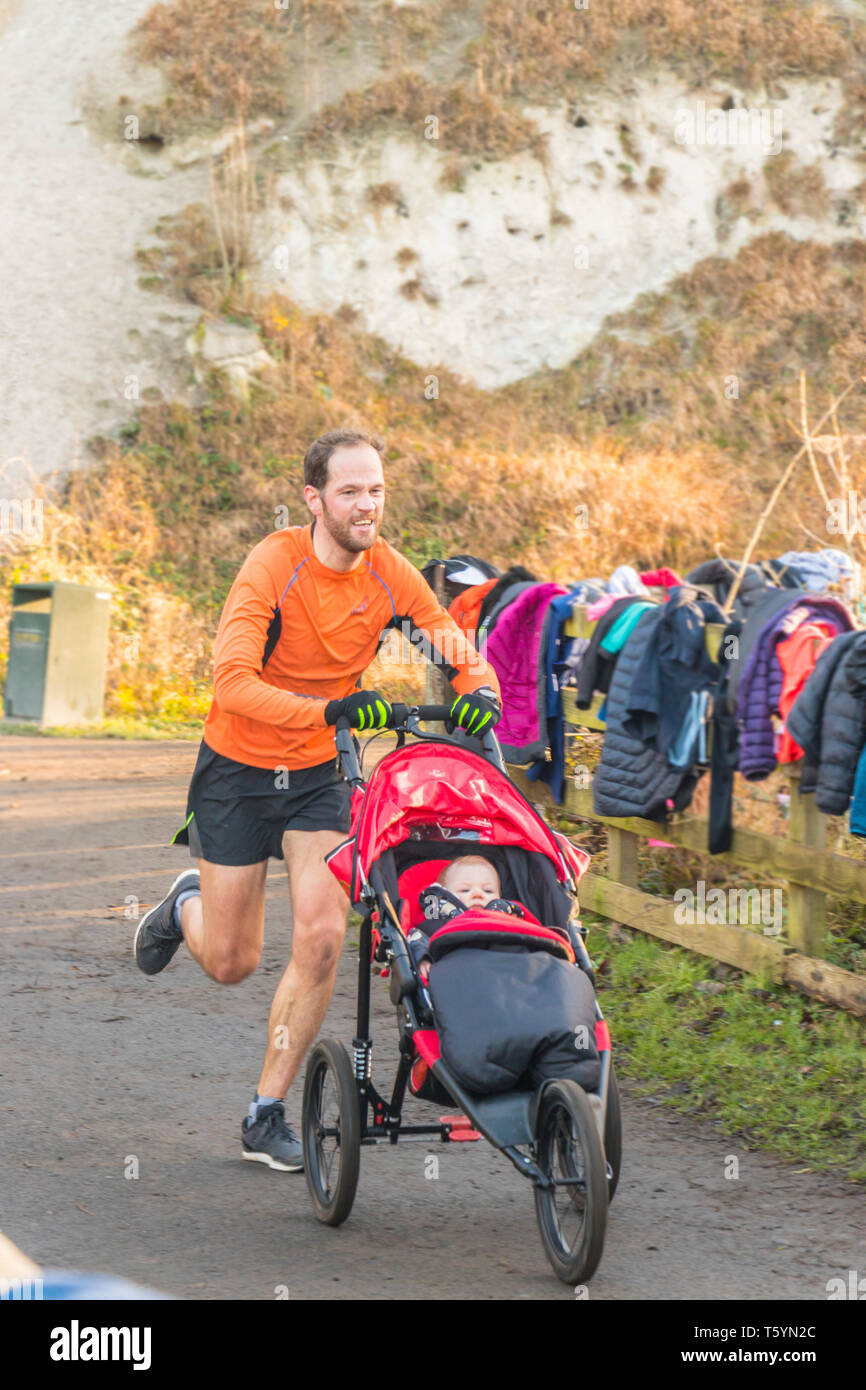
(572,1213)
(331,1132)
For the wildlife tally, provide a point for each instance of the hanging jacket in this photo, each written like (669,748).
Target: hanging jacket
(490,616)
(828,720)
(626,580)
(784,575)
(600,606)
(597,666)
(797,655)
(765,606)
(589,590)
(466,607)
(760,685)
(632,779)
(515,652)
(675,664)
(720,574)
(558,648)
(821,568)
(616,637)
(663,578)
(512,575)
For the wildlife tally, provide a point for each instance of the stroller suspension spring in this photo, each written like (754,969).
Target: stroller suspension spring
(362,1059)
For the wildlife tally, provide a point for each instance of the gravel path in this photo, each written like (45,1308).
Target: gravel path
(98,1063)
(75,325)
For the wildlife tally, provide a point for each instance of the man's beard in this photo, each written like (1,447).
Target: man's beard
(347,535)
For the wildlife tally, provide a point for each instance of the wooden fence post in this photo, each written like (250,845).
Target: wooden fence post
(807,907)
(437,688)
(622,856)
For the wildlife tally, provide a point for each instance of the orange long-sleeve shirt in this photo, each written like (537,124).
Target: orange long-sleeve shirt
(295,634)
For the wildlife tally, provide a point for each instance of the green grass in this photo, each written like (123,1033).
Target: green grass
(769,1068)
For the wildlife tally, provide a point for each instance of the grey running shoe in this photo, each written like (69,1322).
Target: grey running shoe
(268,1139)
(157,938)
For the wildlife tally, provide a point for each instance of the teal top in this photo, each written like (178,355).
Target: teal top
(623,627)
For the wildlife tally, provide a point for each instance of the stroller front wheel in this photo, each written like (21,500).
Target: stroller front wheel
(331,1132)
(572,1211)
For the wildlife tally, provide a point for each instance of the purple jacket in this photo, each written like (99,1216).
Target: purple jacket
(515,652)
(760,686)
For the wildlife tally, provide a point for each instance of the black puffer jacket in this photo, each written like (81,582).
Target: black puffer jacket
(633,779)
(828,720)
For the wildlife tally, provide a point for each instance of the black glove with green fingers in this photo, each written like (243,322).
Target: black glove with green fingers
(364,709)
(475,712)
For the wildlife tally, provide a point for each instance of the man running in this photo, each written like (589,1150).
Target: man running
(302,621)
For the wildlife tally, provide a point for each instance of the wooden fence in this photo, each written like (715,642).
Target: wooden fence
(800,860)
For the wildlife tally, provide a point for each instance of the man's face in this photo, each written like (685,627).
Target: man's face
(353,499)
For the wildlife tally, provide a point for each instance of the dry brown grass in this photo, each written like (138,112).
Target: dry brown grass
(657,375)
(187,259)
(545,47)
(382,195)
(795,187)
(220,59)
(469,122)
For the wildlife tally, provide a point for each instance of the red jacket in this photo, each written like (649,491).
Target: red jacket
(797,656)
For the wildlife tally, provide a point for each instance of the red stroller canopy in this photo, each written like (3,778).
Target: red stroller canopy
(431,791)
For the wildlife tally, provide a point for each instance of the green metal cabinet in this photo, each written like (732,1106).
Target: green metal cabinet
(58,645)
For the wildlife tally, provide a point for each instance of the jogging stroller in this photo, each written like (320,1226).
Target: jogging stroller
(424,803)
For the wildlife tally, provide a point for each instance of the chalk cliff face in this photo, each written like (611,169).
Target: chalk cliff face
(81,343)
(519,268)
(514,270)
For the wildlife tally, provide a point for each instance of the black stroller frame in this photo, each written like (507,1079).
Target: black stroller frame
(511,1121)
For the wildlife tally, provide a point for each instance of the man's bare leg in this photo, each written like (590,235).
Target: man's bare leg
(224,929)
(319,912)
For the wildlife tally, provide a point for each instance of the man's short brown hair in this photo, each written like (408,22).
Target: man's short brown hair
(317,456)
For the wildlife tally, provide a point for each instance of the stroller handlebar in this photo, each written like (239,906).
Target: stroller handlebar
(404,719)
(401,713)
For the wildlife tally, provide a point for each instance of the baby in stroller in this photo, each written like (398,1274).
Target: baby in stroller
(468,881)
(511,1008)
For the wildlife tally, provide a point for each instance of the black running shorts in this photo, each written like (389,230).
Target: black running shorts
(237,814)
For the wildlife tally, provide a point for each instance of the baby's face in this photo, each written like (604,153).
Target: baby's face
(475,881)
